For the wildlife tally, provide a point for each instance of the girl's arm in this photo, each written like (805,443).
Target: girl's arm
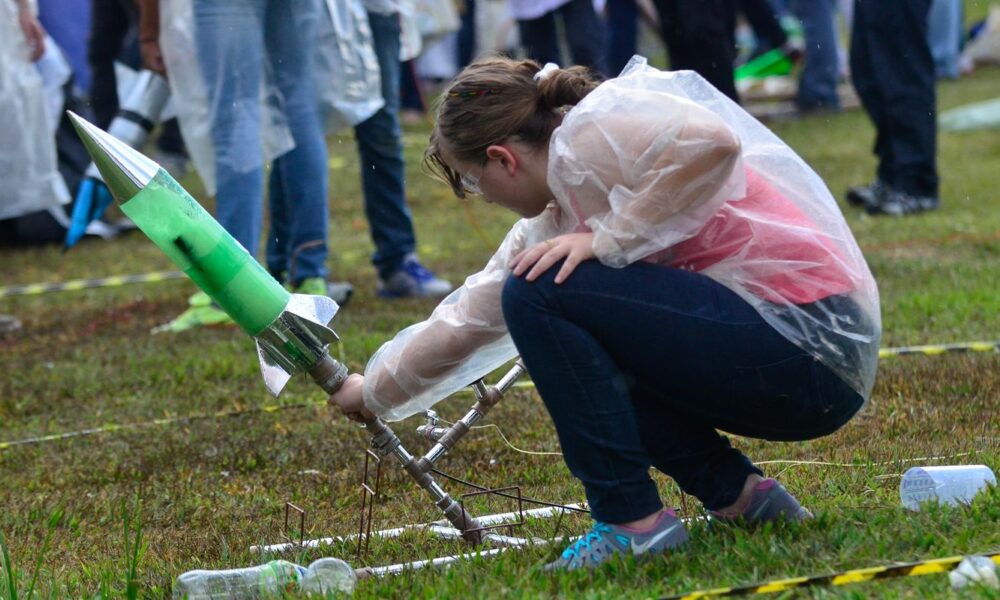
(464,339)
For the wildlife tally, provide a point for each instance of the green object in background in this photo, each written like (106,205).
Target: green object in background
(772,62)
(211,257)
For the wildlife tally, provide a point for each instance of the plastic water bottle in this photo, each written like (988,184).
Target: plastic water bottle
(326,577)
(948,485)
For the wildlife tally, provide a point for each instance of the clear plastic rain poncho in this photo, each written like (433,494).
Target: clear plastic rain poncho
(28,167)
(346,76)
(664,168)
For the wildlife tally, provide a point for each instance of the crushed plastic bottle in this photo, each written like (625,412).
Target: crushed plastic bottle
(975,570)
(948,485)
(327,577)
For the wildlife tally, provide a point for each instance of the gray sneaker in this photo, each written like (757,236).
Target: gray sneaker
(604,542)
(867,195)
(770,502)
(897,204)
(413,280)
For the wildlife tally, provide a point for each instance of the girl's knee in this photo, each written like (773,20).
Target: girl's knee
(515,291)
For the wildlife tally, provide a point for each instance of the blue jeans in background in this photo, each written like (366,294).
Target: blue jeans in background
(640,366)
(236,39)
(381,149)
(820,73)
(944,34)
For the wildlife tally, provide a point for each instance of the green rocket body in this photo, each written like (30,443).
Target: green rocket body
(211,257)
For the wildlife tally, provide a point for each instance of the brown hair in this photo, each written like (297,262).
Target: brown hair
(496,98)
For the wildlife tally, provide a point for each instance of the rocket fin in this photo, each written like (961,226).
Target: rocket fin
(275,377)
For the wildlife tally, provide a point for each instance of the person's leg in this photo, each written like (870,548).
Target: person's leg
(410,96)
(904,69)
(466,50)
(699,36)
(944,34)
(587,398)
(818,80)
(765,24)
(277,249)
(704,359)
(230,43)
(689,449)
(623,30)
(109,24)
(540,40)
(381,151)
(584,34)
(290,32)
(865,70)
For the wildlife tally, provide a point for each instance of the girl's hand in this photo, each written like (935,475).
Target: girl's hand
(350,400)
(574,247)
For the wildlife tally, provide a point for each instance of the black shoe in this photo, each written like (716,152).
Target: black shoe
(897,204)
(867,195)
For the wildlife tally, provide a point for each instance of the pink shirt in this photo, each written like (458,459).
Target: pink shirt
(779,233)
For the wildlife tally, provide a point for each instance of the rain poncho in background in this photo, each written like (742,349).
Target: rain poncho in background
(662,167)
(347,72)
(347,84)
(29,176)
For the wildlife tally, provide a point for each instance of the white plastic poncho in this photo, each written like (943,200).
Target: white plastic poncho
(28,167)
(661,167)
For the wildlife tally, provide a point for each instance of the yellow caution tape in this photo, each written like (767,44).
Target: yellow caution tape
(914,569)
(80,284)
(938,349)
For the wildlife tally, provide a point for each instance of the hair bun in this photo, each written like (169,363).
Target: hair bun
(563,87)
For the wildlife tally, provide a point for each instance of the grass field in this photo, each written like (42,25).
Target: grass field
(200,492)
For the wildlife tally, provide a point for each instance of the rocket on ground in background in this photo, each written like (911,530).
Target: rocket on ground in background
(139,113)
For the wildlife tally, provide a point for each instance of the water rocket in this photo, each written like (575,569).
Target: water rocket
(291,331)
(140,111)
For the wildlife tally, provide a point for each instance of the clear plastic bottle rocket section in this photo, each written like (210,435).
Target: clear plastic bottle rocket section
(325,578)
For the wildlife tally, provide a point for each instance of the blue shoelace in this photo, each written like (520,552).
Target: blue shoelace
(594,535)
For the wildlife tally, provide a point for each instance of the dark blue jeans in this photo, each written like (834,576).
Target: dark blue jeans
(818,81)
(893,72)
(623,32)
(641,366)
(381,148)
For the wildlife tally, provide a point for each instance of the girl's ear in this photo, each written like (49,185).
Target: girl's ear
(507,158)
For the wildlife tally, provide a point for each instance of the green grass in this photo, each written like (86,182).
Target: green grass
(210,488)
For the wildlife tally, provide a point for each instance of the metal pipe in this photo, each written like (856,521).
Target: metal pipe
(437,527)
(488,397)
